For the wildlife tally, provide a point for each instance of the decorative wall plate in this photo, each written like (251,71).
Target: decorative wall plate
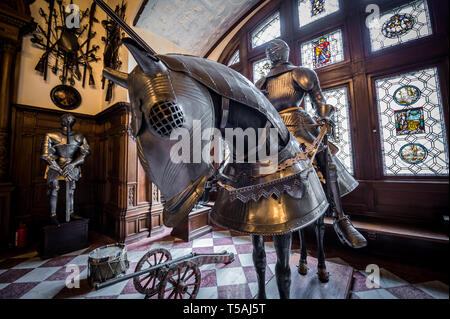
(65,97)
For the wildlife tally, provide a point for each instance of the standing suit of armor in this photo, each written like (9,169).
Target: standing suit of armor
(285,86)
(64,151)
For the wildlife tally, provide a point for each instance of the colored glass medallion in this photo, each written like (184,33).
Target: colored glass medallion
(323,51)
(322,54)
(407,95)
(317,7)
(398,25)
(413,153)
(409,121)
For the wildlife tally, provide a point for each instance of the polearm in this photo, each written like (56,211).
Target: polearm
(322,137)
(91,21)
(49,27)
(110,12)
(68,182)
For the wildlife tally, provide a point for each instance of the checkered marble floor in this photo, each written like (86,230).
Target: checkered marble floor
(27,276)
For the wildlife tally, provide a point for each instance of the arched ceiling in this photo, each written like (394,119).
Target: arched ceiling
(193,25)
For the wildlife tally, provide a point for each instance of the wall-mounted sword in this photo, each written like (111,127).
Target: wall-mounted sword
(110,12)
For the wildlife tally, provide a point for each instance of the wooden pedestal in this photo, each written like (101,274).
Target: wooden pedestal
(64,239)
(196,224)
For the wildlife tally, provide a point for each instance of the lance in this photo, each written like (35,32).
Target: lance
(68,181)
(126,28)
(49,27)
(91,21)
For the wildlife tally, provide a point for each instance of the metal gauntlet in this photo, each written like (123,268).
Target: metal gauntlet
(325,111)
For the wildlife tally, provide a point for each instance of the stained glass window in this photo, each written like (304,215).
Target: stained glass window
(260,69)
(234,58)
(400,25)
(267,30)
(325,50)
(412,128)
(341,135)
(312,10)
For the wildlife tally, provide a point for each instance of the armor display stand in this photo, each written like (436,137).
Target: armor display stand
(308,287)
(64,151)
(58,240)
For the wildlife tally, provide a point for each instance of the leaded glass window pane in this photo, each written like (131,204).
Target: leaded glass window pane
(266,31)
(403,24)
(323,51)
(260,69)
(312,10)
(234,59)
(412,129)
(341,136)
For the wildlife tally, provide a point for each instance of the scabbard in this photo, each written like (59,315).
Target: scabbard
(67,201)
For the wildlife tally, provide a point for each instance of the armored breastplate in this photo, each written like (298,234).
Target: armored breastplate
(63,150)
(66,150)
(282,93)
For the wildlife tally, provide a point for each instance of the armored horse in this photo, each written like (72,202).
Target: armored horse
(269,196)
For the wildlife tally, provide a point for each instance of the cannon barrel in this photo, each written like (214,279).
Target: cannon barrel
(142,272)
(204,258)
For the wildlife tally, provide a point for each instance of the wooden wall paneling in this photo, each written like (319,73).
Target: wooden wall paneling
(109,175)
(15,21)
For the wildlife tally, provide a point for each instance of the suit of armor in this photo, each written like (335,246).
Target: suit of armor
(64,151)
(285,86)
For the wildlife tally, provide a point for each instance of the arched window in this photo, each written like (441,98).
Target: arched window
(383,64)
(234,58)
(266,31)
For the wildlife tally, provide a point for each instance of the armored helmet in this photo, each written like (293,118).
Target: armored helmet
(67,120)
(277,51)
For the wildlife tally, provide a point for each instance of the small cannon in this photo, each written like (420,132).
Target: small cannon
(157,273)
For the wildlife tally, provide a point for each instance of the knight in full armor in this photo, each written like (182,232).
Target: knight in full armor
(285,86)
(64,151)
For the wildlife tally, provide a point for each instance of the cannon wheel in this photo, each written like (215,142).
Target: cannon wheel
(148,284)
(181,282)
